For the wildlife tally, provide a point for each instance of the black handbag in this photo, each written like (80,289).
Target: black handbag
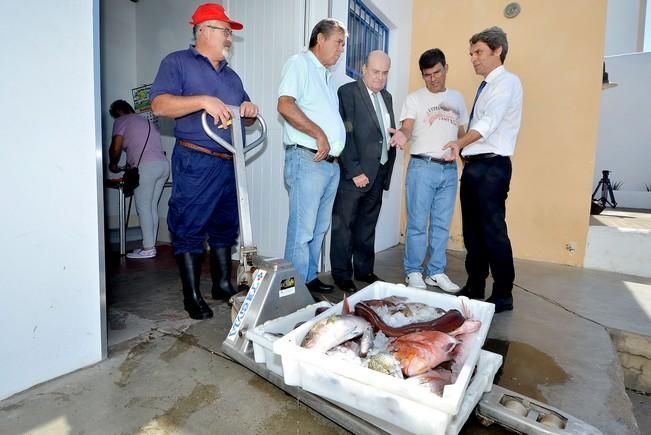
(130,180)
(131,176)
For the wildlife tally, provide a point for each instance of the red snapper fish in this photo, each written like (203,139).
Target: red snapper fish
(421,351)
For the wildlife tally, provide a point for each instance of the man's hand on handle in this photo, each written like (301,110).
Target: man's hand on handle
(218,110)
(248,110)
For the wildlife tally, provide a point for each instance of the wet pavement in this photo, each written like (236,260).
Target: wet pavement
(166,374)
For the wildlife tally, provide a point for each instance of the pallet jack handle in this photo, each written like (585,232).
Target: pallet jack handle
(238,149)
(236,115)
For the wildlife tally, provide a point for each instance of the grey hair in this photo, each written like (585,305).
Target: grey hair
(195,31)
(494,37)
(326,26)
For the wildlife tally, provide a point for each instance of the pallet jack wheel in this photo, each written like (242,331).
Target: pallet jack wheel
(484,421)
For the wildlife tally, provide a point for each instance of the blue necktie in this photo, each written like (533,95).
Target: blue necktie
(472,112)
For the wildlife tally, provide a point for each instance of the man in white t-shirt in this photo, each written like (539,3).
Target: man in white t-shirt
(431,117)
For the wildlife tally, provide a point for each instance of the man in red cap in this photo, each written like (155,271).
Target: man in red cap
(204,200)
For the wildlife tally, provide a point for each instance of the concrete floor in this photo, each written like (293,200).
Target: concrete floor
(619,240)
(629,218)
(166,374)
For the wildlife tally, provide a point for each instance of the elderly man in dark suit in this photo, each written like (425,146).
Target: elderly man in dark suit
(366,164)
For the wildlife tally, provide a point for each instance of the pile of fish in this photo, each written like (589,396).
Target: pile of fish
(408,340)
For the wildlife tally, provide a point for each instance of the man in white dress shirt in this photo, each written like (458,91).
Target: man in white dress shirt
(486,150)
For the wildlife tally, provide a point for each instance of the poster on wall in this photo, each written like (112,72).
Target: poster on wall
(141,103)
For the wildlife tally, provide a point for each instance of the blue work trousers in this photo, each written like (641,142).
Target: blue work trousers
(203,202)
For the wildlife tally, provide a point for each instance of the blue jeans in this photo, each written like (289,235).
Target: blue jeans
(312,188)
(431,192)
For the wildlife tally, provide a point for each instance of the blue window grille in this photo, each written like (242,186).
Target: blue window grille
(366,32)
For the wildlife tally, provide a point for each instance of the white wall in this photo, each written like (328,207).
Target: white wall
(273,31)
(51,263)
(624,26)
(135,37)
(119,76)
(647,27)
(118,59)
(624,129)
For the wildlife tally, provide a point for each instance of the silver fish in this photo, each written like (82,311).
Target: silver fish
(386,363)
(397,312)
(368,337)
(334,330)
(348,351)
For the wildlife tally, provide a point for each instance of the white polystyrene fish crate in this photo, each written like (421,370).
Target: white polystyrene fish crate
(414,418)
(372,392)
(263,339)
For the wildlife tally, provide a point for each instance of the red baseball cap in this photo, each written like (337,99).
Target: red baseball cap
(213,11)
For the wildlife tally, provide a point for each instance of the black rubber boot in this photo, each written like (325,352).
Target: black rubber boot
(190,270)
(220,270)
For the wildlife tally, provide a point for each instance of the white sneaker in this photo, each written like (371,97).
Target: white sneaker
(415,279)
(142,253)
(442,281)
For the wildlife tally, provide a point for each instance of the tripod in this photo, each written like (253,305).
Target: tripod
(606,191)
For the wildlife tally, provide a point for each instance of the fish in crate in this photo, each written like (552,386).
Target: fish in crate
(406,340)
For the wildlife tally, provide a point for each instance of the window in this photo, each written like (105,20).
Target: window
(365,33)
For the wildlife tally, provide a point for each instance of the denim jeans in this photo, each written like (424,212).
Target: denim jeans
(431,192)
(312,188)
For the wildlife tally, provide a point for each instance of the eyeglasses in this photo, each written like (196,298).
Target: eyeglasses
(431,75)
(227,32)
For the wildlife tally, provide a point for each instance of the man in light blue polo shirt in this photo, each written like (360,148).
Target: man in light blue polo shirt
(314,136)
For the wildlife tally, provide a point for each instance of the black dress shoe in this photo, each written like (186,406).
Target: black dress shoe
(317,286)
(346,285)
(369,278)
(501,303)
(470,293)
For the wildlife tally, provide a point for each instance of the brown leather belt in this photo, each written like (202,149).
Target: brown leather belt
(204,150)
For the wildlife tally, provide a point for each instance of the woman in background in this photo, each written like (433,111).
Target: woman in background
(132,133)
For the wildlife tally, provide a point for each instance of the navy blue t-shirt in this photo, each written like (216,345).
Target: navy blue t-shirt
(188,73)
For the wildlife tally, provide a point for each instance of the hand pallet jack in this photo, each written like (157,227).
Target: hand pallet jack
(275,289)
